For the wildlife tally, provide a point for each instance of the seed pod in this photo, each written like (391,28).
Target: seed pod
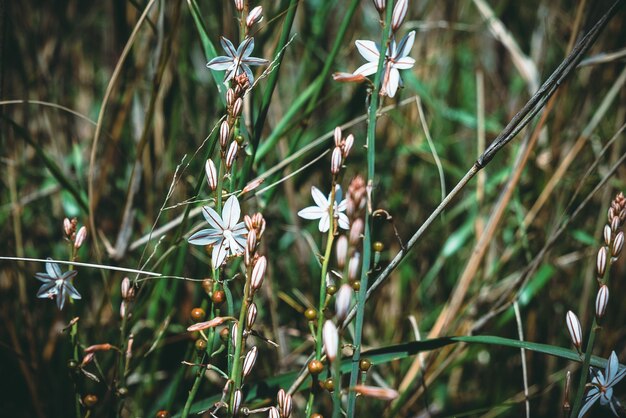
(341,250)
(251,315)
(335,160)
(347,145)
(197,314)
(224,134)
(248,362)
(80,237)
(602,299)
(601,262)
(574,329)
(337,136)
(236,402)
(330,336)
(399,13)
(258,273)
(618,244)
(607,235)
(342,302)
(211,174)
(231,155)
(255,16)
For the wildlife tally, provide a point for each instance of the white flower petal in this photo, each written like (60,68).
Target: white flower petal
(220,63)
(53,270)
(368,50)
(366,69)
(213,218)
(312,212)
(392,83)
(324,225)
(320,200)
(611,367)
(588,404)
(404,63)
(342,206)
(245,49)
(228,47)
(205,237)
(231,212)
(343,221)
(405,45)
(219,254)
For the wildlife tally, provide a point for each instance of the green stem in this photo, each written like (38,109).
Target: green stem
(367,240)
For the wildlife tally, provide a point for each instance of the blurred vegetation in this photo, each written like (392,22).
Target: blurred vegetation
(59,58)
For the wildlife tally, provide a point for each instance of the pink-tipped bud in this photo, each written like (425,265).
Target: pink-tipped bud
(287,406)
(574,328)
(602,299)
(337,136)
(258,273)
(231,155)
(80,237)
(330,336)
(347,145)
(230,97)
(618,244)
(273,413)
(251,315)
(380,5)
(251,241)
(126,288)
(98,347)
(615,224)
(342,251)
(248,362)
(608,234)
(249,222)
(67,227)
(349,77)
(356,231)
(601,261)
(342,302)
(224,134)
(233,334)
(218,320)
(211,174)
(255,16)
(280,398)
(239,5)
(353,266)
(399,13)
(385,394)
(237,397)
(123,309)
(335,160)
(253,185)
(237,106)
(87,359)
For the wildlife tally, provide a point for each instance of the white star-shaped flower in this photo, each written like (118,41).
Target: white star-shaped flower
(57,284)
(236,61)
(321,212)
(602,385)
(226,234)
(396,58)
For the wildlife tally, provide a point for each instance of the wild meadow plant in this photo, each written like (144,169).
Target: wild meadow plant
(296,293)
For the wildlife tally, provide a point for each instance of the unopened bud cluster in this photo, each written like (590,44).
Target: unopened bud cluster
(285,405)
(74,234)
(127,291)
(340,151)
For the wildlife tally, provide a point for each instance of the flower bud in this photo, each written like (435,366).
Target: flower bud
(253,185)
(337,136)
(575,331)
(255,16)
(230,97)
(251,241)
(258,273)
(601,262)
(342,302)
(618,244)
(353,266)
(347,145)
(239,5)
(248,362)
(607,235)
(123,309)
(126,289)
(231,155)
(280,398)
(237,106)
(335,160)
(67,227)
(224,134)
(399,13)
(602,299)
(287,405)
(273,413)
(380,5)
(211,174)
(356,231)
(218,320)
(330,336)
(385,394)
(237,402)
(251,315)
(80,237)
(342,251)
(615,224)
(233,334)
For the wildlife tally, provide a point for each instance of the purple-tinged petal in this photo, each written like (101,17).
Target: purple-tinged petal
(248,72)
(213,218)
(43,277)
(72,292)
(61,298)
(246,48)
(205,237)
(228,47)
(220,63)
(68,275)
(231,212)
(254,61)
(53,270)
(368,50)
(46,290)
